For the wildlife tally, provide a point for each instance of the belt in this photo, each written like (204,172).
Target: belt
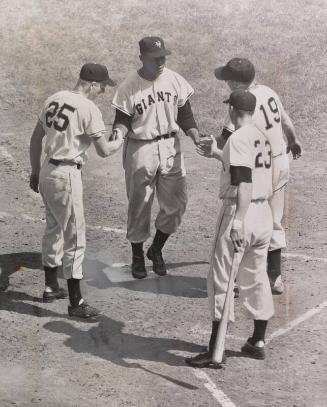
(60,162)
(165,136)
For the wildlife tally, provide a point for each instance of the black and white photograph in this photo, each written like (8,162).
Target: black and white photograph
(162,211)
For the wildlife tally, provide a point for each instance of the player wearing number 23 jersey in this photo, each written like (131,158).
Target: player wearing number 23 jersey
(244,226)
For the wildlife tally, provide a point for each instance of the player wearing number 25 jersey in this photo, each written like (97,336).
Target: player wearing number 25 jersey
(70,122)
(271,118)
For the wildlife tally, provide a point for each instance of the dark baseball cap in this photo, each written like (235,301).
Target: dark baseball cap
(237,69)
(153,46)
(96,73)
(242,100)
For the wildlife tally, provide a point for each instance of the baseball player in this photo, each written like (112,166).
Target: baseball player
(271,118)
(152,105)
(244,225)
(70,123)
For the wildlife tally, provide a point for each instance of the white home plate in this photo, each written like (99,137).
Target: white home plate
(115,272)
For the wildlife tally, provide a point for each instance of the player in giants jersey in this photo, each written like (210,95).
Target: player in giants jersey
(271,118)
(244,226)
(152,105)
(70,123)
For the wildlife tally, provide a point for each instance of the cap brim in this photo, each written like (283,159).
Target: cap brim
(159,53)
(110,82)
(221,73)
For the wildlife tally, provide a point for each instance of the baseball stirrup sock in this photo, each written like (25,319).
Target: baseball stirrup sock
(259,331)
(214,333)
(74,291)
(274,264)
(137,249)
(51,279)
(160,239)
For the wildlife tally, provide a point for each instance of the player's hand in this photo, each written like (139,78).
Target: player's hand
(237,238)
(207,147)
(296,150)
(34,182)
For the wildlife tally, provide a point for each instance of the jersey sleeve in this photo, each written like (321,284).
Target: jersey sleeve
(94,124)
(185,90)
(123,99)
(42,113)
(240,151)
(227,124)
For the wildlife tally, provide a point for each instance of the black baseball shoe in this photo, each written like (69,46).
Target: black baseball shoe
(204,360)
(54,295)
(254,350)
(138,267)
(83,310)
(159,266)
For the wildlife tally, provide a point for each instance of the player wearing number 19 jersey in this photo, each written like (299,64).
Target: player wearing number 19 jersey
(272,120)
(70,122)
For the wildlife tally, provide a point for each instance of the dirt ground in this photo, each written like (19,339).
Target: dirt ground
(133,354)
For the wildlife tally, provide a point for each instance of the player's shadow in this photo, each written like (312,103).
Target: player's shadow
(12,262)
(97,275)
(108,341)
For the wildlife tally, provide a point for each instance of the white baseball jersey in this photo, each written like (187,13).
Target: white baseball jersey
(267,117)
(153,105)
(70,120)
(248,147)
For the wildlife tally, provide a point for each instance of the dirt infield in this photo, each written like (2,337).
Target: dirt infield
(133,355)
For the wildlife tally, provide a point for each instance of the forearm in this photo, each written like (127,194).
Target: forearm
(243,200)
(288,129)
(36,148)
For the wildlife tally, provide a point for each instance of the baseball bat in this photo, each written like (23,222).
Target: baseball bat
(219,346)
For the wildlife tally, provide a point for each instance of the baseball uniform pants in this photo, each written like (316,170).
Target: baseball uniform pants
(254,288)
(154,167)
(63,241)
(277,201)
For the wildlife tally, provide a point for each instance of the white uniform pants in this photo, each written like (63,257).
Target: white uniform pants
(154,166)
(254,287)
(277,201)
(63,242)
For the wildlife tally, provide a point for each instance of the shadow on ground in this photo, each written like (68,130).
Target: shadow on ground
(12,262)
(102,275)
(107,340)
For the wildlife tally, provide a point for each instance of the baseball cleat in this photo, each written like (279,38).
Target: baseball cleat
(277,287)
(83,310)
(159,266)
(138,267)
(203,360)
(54,295)
(256,350)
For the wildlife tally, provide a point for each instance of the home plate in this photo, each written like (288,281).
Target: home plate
(115,272)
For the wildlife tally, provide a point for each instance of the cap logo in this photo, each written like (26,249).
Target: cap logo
(158,44)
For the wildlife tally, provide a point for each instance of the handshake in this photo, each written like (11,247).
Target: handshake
(207,147)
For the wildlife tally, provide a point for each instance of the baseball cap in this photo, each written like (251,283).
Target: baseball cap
(237,69)
(242,100)
(96,73)
(153,46)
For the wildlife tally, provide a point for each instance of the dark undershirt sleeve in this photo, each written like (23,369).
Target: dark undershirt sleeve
(226,133)
(123,118)
(185,118)
(240,174)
